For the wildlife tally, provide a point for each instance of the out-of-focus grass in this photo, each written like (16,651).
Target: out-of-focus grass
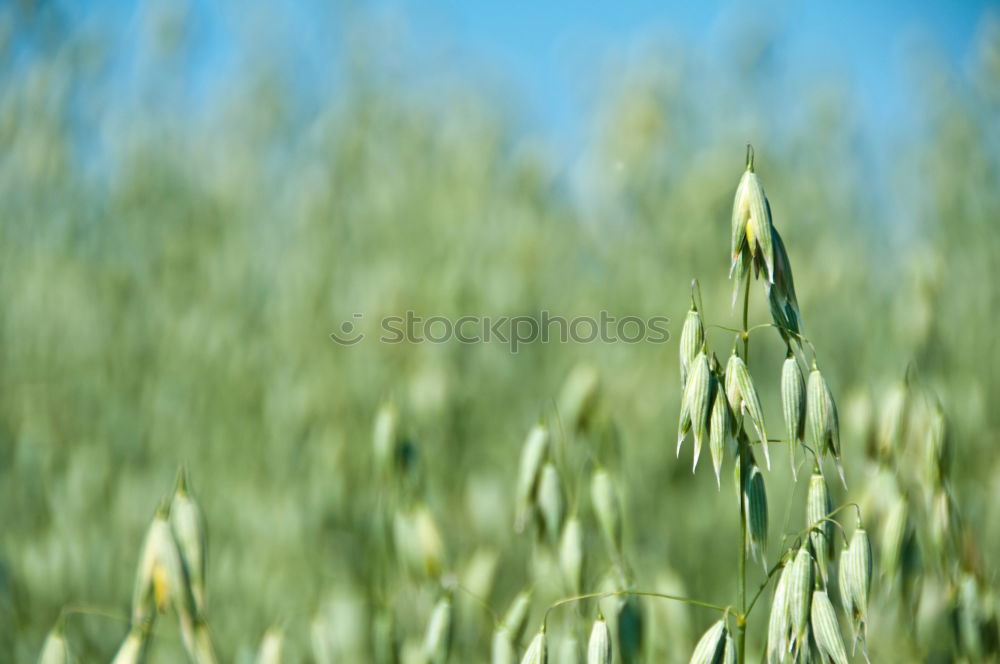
(169,281)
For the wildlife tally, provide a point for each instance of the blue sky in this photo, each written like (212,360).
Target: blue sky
(865,42)
(536,54)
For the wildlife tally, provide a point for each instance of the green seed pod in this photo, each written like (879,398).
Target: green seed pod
(825,630)
(781,295)
(892,423)
(516,617)
(710,647)
(751,221)
(729,652)
(532,455)
(755,499)
(599,646)
(748,399)
(571,554)
(55,650)
(133,648)
(938,461)
(538,650)
(551,504)
(780,623)
(733,388)
(579,397)
(969,618)
(502,651)
(793,405)
(437,640)
(271,646)
(822,418)
(189,532)
(844,581)
(692,340)
(385,438)
(199,644)
(608,509)
(818,506)
(418,540)
(159,578)
(738,227)
(893,537)
(719,430)
(855,580)
(696,404)
(944,524)
(800,584)
(739,270)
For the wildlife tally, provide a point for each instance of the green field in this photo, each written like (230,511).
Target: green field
(169,279)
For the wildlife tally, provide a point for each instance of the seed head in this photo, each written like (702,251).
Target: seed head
(692,340)
(729,652)
(743,397)
(719,430)
(793,404)
(189,532)
(532,456)
(823,421)
(800,584)
(271,646)
(944,522)
(502,651)
(818,506)
(892,423)
(418,540)
(385,438)
(599,647)
(133,648)
(571,554)
(755,499)
(894,537)
(159,578)
(711,645)
(780,623)
(939,452)
(696,403)
(751,223)
(538,651)
(855,581)
(608,509)
(825,630)
(781,295)
(55,650)
(516,617)
(579,397)
(740,269)
(551,503)
(437,640)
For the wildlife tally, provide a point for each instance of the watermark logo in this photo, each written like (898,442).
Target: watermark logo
(512,331)
(349,333)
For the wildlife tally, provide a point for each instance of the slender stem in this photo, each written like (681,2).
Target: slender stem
(746,311)
(641,593)
(741,602)
(777,566)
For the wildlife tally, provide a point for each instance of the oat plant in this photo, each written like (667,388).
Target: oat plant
(723,405)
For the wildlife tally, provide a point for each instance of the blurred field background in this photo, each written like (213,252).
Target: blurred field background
(178,238)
